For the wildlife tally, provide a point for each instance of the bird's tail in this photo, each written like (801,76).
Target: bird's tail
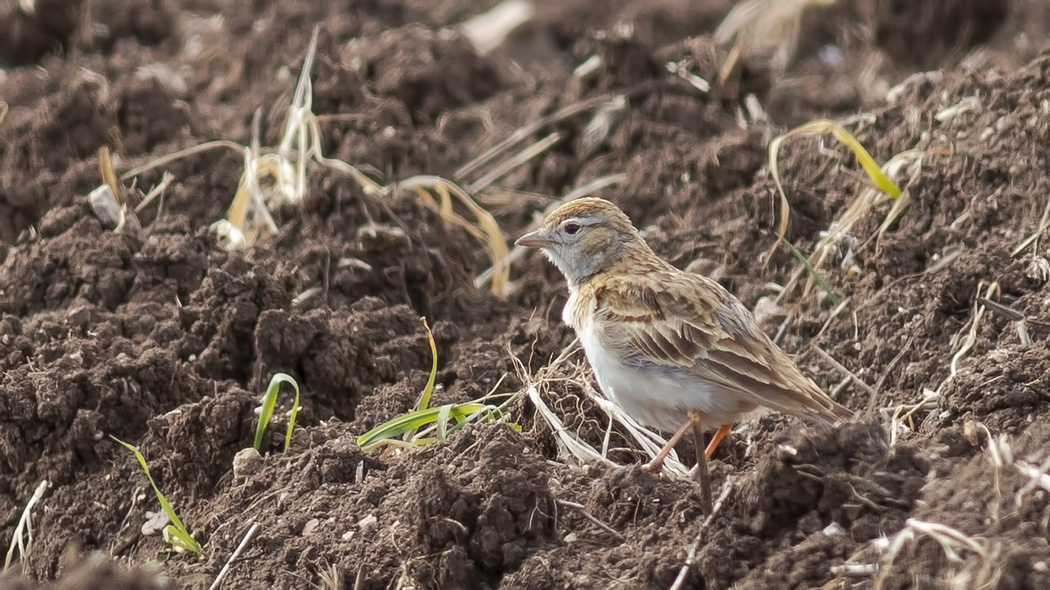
(825,409)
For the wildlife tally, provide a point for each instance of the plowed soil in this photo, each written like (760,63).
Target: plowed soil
(166,339)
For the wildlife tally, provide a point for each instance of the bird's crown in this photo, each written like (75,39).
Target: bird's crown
(590,208)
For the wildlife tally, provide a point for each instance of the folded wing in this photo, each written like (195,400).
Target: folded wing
(715,337)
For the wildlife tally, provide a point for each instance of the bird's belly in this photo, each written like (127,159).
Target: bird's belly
(662,397)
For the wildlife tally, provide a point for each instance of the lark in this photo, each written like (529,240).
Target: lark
(674,350)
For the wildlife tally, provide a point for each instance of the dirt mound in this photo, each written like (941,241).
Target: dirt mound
(166,339)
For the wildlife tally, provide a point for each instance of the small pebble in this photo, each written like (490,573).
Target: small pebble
(246,462)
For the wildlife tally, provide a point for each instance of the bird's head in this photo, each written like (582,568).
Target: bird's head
(585,237)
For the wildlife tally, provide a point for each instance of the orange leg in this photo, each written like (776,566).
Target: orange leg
(700,472)
(657,464)
(723,430)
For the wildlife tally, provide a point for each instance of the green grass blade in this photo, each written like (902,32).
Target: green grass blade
(269,401)
(413,422)
(444,412)
(482,413)
(489,412)
(424,398)
(179,539)
(292,416)
(184,539)
(871,167)
(835,299)
(821,126)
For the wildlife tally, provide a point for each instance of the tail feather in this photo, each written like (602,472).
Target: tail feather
(818,406)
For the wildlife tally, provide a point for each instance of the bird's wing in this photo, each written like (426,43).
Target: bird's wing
(663,321)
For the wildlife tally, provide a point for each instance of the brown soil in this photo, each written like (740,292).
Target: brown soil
(166,340)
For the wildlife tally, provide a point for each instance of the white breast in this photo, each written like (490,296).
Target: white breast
(656,397)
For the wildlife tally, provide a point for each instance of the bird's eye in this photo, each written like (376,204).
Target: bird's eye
(572,228)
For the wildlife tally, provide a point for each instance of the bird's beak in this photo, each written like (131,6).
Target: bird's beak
(533,239)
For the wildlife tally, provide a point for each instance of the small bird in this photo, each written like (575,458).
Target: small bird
(673,349)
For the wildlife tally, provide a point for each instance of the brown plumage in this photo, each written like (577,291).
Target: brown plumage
(669,347)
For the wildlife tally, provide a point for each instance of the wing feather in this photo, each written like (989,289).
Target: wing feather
(712,336)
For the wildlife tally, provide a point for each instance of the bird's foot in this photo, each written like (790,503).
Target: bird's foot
(656,465)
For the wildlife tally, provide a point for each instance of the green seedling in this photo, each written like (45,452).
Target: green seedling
(835,299)
(276,176)
(436,423)
(424,398)
(269,400)
(868,163)
(175,533)
(907,165)
(433,424)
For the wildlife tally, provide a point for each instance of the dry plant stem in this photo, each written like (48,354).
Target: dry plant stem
(173,157)
(868,198)
(999,455)
(859,570)
(729,65)
(494,239)
(249,191)
(513,162)
(522,133)
(331,577)
(299,112)
(566,440)
(971,335)
(237,553)
(25,527)
(649,441)
(703,475)
(842,369)
(782,330)
(886,373)
(110,201)
(697,82)
(951,540)
(909,161)
(838,309)
(1044,224)
(607,438)
(690,559)
(835,391)
(359,579)
(583,511)
(109,176)
(905,412)
(763,26)
(156,191)
(1037,477)
(301,143)
(1005,311)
